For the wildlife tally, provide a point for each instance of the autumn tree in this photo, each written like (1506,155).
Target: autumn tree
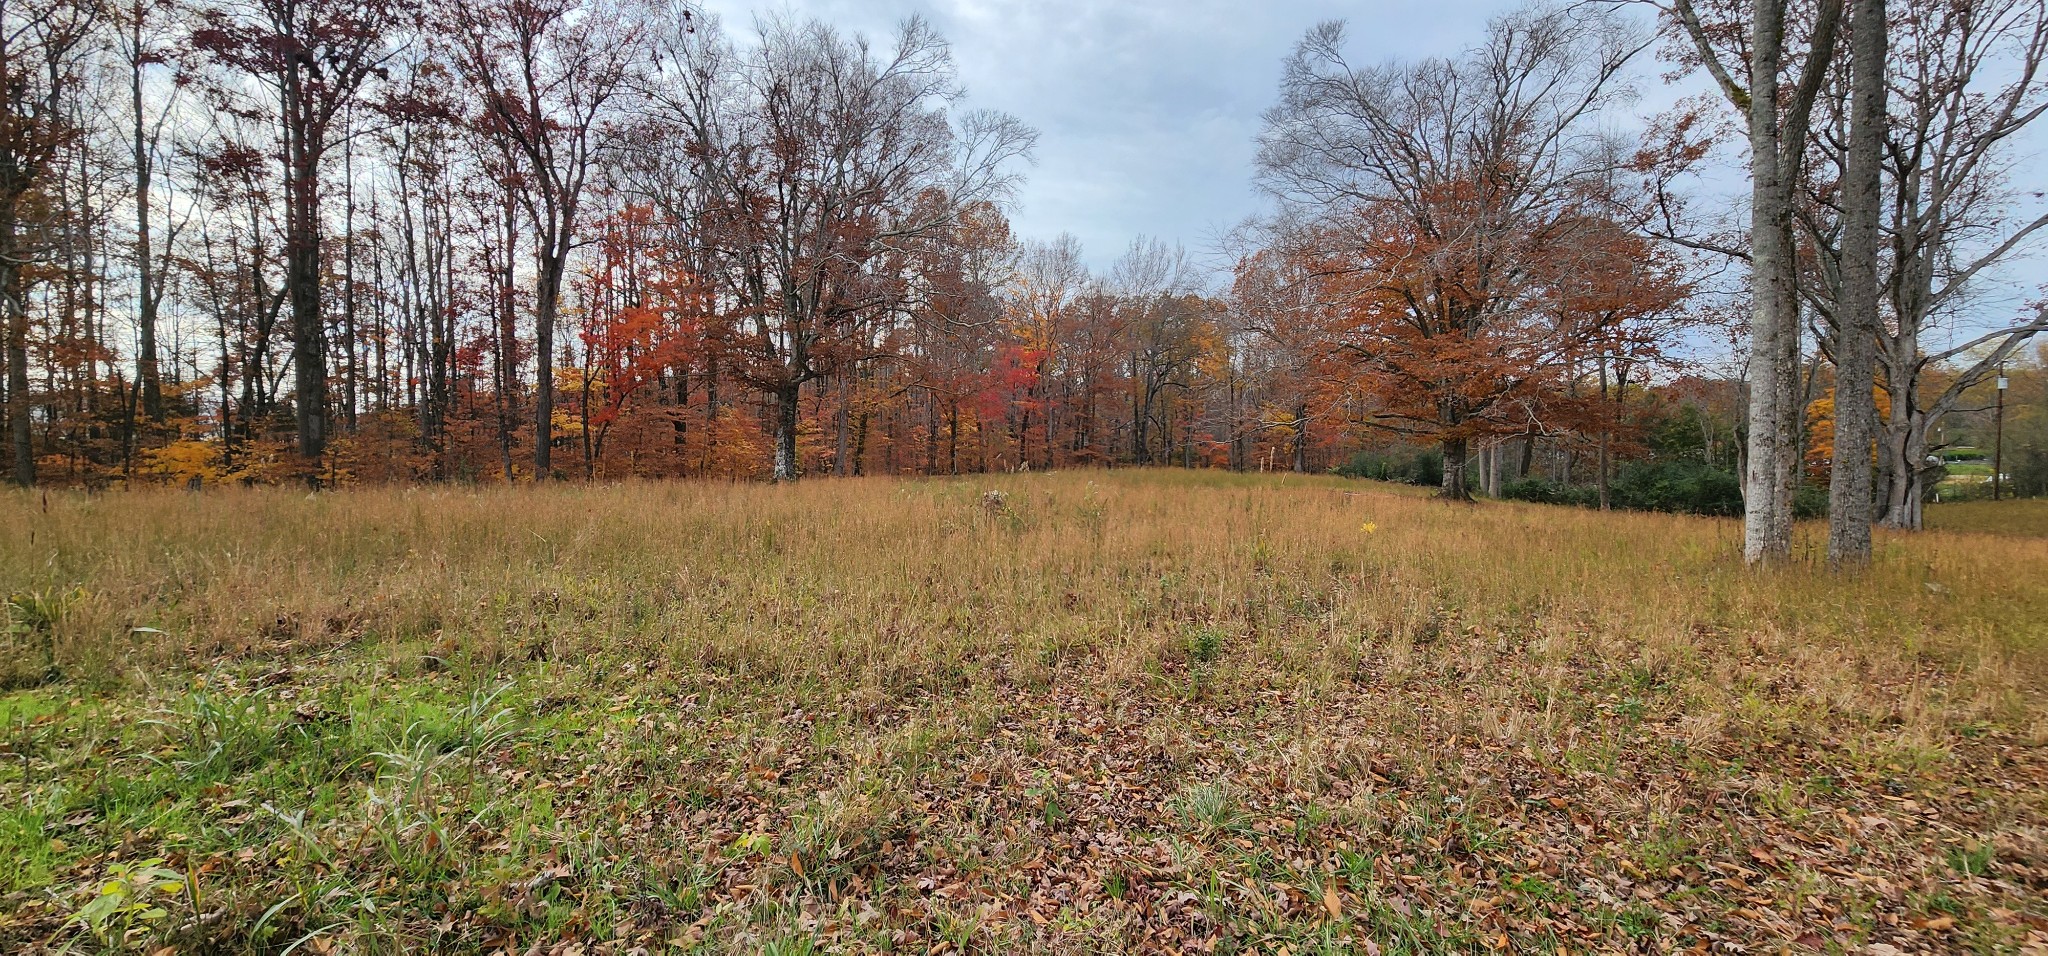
(1045,308)
(547,74)
(820,158)
(1283,366)
(642,314)
(42,48)
(314,59)
(1433,195)
(1167,327)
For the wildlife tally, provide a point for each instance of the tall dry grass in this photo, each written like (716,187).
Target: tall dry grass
(877,581)
(799,691)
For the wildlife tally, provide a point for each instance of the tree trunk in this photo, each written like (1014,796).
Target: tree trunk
(146,372)
(931,432)
(508,342)
(302,277)
(1774,324)
(1902,456)
(547,298)
(839,453)
(1454,487)
(786,413)
(1856,318)
(350,371)
(1605,461)
(12,299)
(1300,440)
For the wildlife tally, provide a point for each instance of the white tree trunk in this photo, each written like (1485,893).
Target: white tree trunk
(1774,322)
(1856,318)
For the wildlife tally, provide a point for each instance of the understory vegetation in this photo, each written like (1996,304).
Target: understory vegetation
(1132,711)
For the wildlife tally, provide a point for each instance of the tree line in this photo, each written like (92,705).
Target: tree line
(375,240)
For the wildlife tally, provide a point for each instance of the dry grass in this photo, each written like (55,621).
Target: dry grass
(2023,518)
(1098,712)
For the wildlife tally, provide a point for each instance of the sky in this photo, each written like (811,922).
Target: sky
(1146,109)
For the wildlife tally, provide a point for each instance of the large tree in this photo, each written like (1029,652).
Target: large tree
(823,160)
(1966,86)
(548,75)
(314,59)
(1438,196)
(1773,82)
(42,46)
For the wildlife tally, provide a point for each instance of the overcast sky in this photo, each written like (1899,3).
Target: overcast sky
(1146,109)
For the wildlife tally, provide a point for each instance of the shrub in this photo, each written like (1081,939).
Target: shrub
(1420,467)
(1688,487)
(2027,472)
(1678,486)
(1810,501)
(1548,492)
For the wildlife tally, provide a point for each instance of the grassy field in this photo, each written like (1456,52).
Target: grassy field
(1108,712)
(2025,518)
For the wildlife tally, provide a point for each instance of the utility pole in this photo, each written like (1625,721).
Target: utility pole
(1998,441)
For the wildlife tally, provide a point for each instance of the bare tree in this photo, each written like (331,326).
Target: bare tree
(1751,69)
(548,74)
(42,46)
(1968,83)
(1161,316)
(145,35)
(1963,83)
(316,57)
(821,158)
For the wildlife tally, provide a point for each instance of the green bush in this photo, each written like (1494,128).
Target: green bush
(1679,486)
(1420,467)
(2027,472)
(1547,492)
(1810,501)
(1689,487)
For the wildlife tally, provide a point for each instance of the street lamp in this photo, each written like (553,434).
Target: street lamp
(1998,441)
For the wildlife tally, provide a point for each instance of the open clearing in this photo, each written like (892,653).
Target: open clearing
(1105,712)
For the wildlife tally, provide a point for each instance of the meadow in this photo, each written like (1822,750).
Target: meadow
(1070,713)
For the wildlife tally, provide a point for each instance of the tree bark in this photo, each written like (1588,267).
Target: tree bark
(1774,334)
(1777,137)
(1605,460)
(147,286)
(1856,320)
(1454,487)
(547,300)
(787,407)
(21,439)
(302,277)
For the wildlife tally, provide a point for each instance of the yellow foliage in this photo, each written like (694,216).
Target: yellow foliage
(1820,430)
